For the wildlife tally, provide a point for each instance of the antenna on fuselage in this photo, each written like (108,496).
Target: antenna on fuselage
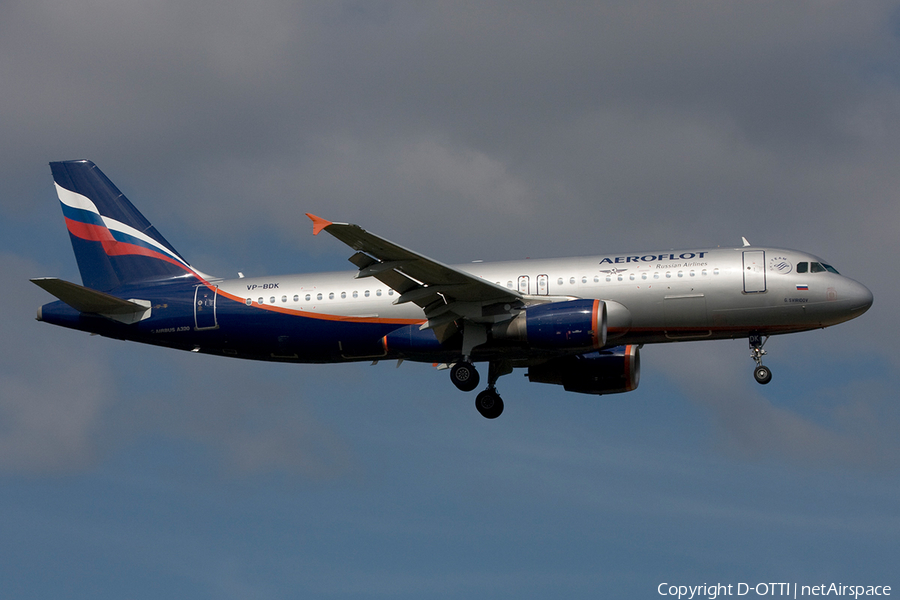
(746,243)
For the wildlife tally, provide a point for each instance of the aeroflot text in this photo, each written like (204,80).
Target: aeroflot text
(652,258)
(771,589)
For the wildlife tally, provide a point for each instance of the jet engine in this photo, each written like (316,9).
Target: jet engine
(569,325)
(609,371)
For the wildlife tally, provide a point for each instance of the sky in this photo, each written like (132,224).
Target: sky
(466,131)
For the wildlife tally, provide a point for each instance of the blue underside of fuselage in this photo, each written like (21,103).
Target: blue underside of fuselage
(245,331)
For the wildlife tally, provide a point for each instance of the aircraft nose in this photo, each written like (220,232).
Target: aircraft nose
(861,298)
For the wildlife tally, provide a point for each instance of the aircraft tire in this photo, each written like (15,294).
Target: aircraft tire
(464,376)
(489,404)
(763,375)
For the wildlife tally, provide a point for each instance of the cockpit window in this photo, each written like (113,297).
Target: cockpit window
(815,267)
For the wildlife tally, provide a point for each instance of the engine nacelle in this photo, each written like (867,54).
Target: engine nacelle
(609,371)
(570,325)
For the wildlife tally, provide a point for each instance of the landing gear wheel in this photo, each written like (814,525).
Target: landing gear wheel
(464,376)
(489,404)
(762,374)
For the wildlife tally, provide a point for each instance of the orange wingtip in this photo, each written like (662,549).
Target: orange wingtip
(318,223)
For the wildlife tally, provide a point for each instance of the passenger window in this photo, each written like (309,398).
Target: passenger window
(571,281)
(668,275)
(377,292)
(390,292)
(692,273)
(284,298)
(802,267)
(319,296)
(355,294)
(631,277)
(596,279)
(296,298)
(584,280)
(656,276)
(249,301)
(272,300)
(366,294)
(260,301)
(560,282)
(608,278)
(331,295)
(343,295)
(644,276)
(703,272)
(680,274)
(307,297)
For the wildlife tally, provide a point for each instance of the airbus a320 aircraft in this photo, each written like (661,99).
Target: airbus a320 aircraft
(575,322)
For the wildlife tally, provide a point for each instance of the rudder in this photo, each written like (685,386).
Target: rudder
(113,242)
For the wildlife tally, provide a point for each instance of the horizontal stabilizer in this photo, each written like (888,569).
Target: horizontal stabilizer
(87,300)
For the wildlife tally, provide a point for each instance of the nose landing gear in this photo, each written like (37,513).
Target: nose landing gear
(761,373)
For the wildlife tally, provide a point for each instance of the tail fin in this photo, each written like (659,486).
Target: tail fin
(114,244)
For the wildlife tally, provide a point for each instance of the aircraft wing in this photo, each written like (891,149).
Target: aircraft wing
(444,292)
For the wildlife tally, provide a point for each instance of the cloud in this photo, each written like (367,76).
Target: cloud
(67,400)
(245,415)
(850,428)
(53,390)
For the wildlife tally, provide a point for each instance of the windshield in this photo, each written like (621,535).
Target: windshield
(815,267)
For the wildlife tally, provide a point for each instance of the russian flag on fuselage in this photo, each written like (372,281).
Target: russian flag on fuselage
(114,243)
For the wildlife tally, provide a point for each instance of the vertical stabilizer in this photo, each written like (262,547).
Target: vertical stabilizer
(114,244)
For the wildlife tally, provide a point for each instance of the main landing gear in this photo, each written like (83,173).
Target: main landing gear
(488,402)
(761,373)
(464,376)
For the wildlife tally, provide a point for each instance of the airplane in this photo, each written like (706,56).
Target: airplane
(575,322)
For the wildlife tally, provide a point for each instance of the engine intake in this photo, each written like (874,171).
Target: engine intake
(610,371)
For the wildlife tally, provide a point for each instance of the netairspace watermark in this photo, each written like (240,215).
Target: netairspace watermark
(792,590)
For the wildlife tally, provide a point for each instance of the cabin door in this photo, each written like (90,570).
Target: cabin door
(754,272)
(205,307)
